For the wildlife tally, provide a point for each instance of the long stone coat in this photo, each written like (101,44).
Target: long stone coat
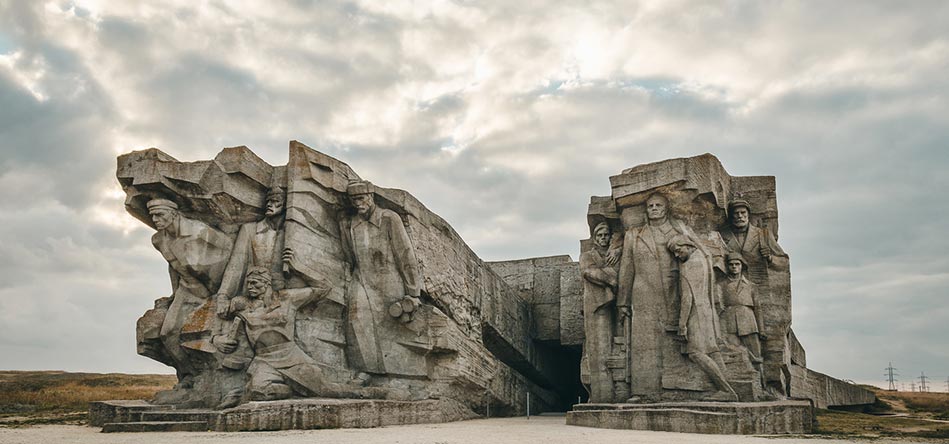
(385,269)
(697,305)
(647,284)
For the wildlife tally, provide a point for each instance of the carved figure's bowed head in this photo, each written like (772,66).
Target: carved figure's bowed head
(276,201)
(681,246)
(360,192)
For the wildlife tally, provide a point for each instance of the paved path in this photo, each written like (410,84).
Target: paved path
(539,429)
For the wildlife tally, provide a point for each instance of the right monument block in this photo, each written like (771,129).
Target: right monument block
(687,299)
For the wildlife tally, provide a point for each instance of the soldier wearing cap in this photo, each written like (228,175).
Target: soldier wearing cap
(599,306)
(763,256)
(196,255)
(258,244)
(740,313)
(384,273)
(755,244)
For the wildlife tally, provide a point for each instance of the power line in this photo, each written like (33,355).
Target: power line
(923,386)
(912,386)
(890,376)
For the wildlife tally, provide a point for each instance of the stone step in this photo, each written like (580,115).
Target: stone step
(175,415)
(156,426)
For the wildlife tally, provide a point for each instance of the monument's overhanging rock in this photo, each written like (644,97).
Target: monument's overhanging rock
(386,303)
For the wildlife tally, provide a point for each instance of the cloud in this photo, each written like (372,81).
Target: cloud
(501,117)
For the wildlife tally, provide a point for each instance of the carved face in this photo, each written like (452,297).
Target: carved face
(275,203)
(602,238)
(683,252)
(257,287)
(163,217)
(740,217)
(363,203)
(656,208)
(734,267)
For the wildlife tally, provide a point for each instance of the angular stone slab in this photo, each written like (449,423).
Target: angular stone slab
(718,418)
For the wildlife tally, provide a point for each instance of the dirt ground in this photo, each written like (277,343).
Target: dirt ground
(539,429)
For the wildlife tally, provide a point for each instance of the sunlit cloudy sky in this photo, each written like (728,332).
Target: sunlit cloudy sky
(502,117)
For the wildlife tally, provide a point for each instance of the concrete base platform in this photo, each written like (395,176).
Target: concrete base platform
(721,418)
(292,414)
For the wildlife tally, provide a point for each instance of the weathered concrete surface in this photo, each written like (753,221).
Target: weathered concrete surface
(519,430)
(297,414)
(551,288)
(826,391)
(101,412)
(472,339)
(718,418)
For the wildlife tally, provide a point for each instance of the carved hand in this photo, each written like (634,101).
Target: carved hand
(222,303)
(683,331)
(612,256)
(626,312)
(765,253)
(288,257)
(224,345)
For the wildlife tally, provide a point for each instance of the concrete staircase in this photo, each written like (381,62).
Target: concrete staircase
(139,416)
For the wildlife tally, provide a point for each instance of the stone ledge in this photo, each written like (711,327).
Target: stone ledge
(293,414)
(721,418)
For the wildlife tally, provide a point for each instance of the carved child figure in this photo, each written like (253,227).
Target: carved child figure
(698,325)
(741,317)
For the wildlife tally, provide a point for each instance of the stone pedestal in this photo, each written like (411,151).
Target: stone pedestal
(720,418)
(291,414)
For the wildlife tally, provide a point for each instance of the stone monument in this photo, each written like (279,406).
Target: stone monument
(698,337)
(304,296)
(306,288)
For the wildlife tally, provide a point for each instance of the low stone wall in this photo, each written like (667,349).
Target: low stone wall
(826,391)
(718,418)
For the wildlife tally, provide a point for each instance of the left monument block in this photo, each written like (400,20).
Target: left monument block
(305,281)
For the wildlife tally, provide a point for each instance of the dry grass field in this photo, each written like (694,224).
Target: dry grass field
(54,397)
(896,414)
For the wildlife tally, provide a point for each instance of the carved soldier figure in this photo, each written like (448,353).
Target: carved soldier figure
(697,323)
(279,368)
(740,314)
(756,245)
(599,297)
(196,255)
(384,273)
(258,244)
(647,281)
(763,256)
